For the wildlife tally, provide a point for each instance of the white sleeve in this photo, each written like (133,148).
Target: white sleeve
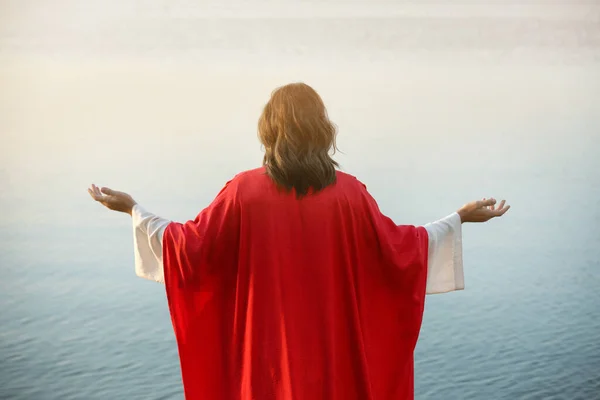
(445,262)
(148,232)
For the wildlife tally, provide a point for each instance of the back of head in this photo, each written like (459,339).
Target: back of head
(298,135)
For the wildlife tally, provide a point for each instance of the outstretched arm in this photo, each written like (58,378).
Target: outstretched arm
(445,262)
(148,231)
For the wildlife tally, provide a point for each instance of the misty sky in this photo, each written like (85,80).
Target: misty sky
(174,88)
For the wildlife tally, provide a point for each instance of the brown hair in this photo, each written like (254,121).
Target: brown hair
(297,135)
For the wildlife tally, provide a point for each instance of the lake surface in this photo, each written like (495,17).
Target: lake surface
(436,106)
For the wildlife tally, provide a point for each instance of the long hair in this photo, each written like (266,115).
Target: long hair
(297,135)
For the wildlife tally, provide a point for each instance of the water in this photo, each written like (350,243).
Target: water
(436,107)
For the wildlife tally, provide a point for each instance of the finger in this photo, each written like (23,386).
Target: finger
(94,195)
(113,193)
(96,191)
(97,195)
(108,191)
(486,203)
(487,206)
(501,205)
(91,192)
(503,211)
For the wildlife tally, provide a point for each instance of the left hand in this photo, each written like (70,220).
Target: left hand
(482,210)
(112,199)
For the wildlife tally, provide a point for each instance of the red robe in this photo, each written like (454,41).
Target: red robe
(272,297)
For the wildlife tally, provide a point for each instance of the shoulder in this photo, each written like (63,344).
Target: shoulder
(247,183)
(346,180)
(233,186)
(248,177)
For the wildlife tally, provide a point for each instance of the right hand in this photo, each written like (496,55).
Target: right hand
(112,199)
(482,210)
